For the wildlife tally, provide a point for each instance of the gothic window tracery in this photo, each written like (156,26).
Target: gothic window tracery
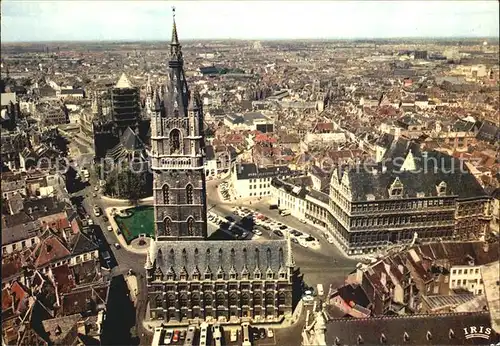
(168,226)
(190,225)
(166,194)
(175,141)
(189,194)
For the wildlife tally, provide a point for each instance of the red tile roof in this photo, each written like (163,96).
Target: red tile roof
(63,279)
(18,294)
(6,299)
(49,250)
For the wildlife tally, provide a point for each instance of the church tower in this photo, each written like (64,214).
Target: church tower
(177,154)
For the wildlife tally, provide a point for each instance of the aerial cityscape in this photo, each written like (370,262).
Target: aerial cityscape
(180,173)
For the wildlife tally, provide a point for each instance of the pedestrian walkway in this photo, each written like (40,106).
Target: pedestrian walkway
(132,287)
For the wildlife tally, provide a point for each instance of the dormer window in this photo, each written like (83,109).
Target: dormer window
(170,277)
(232,276)
(256,276)
(208,276)
(396,189)
(441,189)
(451,334)
(383,338)
(270,275)
(220,276)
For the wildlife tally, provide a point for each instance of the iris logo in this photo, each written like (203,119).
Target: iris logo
(477,332)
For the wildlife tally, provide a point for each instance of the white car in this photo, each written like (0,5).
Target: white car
(110,228)
(270,333)
(303,243)
(256,231)
(90,222)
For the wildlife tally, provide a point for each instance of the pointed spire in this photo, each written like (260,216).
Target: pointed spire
(175,38)
(149,89)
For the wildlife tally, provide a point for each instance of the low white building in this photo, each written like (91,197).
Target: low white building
(467,275)
(249,180)
(252,121)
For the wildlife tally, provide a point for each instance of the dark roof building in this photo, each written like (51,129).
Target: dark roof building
(446,329)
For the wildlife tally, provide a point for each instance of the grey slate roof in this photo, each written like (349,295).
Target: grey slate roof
(489,132)
(251,171)
(370,330)
(82,244)
(440,167)
(20,232)
(219,254)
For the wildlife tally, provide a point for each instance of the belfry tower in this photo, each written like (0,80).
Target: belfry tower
(177,154)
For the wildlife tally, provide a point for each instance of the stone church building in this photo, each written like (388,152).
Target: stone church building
(190,276)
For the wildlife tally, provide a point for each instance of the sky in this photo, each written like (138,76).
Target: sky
(27,21)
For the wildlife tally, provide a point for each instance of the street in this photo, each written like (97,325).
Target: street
(326,265)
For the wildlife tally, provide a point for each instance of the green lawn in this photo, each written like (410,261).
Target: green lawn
(140,222)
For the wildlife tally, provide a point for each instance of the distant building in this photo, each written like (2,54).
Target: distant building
(420,54)
(252,121)
(125,112)
(249,180)
(369,208)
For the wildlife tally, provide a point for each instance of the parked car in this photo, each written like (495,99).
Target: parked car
(262,333)
(278,233)
(117,246)
(110,229)
(270,333)
(168,338)
(175,338)
(256,231)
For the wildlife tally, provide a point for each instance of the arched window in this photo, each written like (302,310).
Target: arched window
(189,194)
(190,225)
(175,141)
(166,197)
(168,226)
(159,301)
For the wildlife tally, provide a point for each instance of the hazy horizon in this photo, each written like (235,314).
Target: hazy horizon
(132,21)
